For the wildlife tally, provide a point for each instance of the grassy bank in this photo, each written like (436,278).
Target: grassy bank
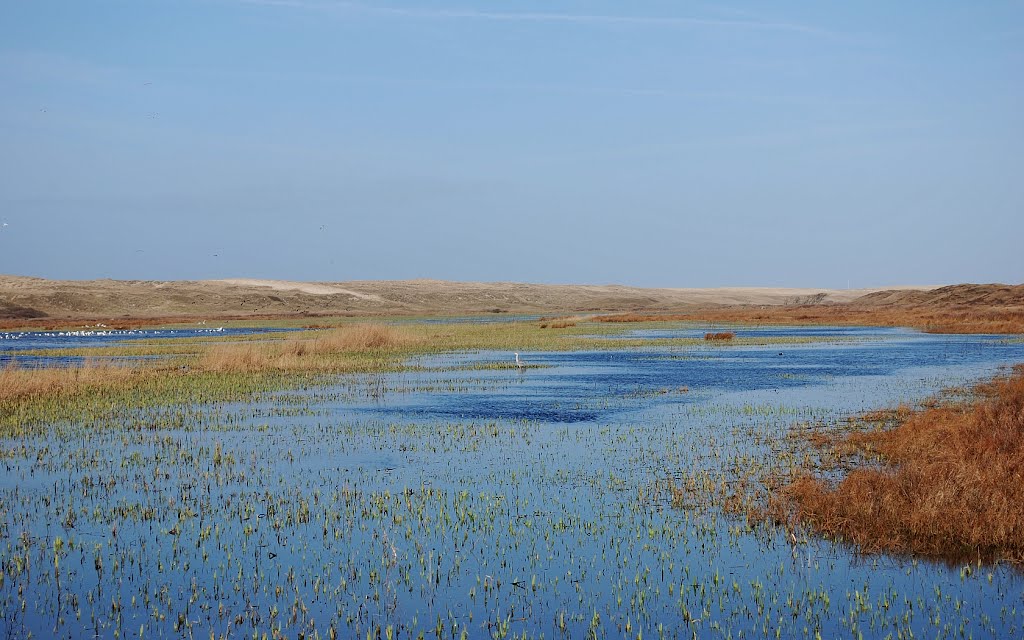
(946,482)
(983,320)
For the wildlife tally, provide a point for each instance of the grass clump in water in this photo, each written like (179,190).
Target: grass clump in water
(720,336)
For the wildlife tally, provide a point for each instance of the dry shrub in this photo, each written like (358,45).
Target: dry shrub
(721,335)
(952,485)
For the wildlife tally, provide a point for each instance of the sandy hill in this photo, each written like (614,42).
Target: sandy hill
(26,297)
(958,295)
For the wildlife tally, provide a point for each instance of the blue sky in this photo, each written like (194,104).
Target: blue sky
(647,143)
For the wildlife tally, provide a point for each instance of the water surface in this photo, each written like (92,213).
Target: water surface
(491,502)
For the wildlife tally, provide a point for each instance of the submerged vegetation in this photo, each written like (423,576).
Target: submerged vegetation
(949,482)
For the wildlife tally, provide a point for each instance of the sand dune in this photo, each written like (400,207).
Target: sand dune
(26,297)
(313,288)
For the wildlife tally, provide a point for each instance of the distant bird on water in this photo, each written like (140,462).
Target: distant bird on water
(519,363)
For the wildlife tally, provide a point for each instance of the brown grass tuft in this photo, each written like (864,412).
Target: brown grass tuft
(561,322)
(19,383)
(363,337)
(721,335)
(240,357)
(951,484)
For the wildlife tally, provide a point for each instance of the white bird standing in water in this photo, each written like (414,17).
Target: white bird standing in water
(519,363)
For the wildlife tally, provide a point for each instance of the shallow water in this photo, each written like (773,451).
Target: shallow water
(487,501)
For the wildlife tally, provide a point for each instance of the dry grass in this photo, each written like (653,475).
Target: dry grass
(17,382)
(951,484)
(561,322)
(363,337)
(306,353)
(721,335)
(562,325)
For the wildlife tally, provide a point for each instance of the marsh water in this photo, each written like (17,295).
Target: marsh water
(584,493)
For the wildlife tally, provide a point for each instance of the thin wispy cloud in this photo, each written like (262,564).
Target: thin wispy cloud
(551,18)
